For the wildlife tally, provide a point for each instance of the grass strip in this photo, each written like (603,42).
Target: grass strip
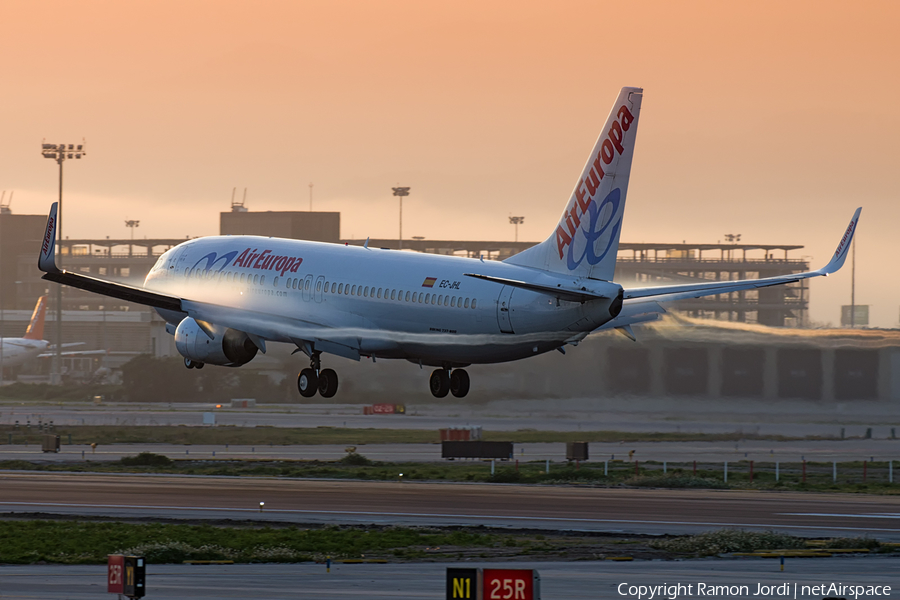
(853,476)
(89,540)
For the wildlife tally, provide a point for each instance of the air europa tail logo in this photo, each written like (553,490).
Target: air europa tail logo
(599,217)
(252,259)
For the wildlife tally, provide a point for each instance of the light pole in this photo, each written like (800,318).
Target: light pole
(401,192)
(310,196)
(516,221)
(131,225)
(59,153)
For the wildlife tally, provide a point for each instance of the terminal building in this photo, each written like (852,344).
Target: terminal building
(126,329)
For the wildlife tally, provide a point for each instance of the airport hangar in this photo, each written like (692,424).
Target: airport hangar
(788,361)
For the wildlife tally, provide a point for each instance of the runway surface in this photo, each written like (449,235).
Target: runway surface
(407,503)
(786,418)
(570,580)
(756,450)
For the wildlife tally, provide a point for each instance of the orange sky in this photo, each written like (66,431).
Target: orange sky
(770,119)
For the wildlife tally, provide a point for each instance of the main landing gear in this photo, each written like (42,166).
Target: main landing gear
(443,381)
(315,379)
(193,364)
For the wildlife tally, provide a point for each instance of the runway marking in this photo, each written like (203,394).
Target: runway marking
(463,516)
(843,515)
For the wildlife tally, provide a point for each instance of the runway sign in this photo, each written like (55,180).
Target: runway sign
(464,584)
(511,584)
(114,573)
(493,584)
(135,576)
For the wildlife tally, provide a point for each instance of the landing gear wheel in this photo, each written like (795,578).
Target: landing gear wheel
(459,383)
(328,383)
(199,365)
(308,383)
(440,383)
(188,363)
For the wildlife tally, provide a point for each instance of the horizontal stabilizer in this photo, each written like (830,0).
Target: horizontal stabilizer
(572,295)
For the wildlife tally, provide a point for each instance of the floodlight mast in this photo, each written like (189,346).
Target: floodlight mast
(131,224)
(516,221)
(59,153)
(401,192)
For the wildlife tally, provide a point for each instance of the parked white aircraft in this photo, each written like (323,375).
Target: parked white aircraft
(16,351)
(226,297)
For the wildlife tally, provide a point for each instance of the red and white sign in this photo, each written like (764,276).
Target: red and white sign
(383,409)
(115,574)
(511,584)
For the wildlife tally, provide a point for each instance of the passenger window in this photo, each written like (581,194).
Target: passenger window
(366,292)
(407,296)
(453,301)
(440,300)
(255,279)
(326,287)
(467,303)
(393,294)
(333,286)
(243,275)
(340,288)
(318,286)
(262,280)
(353,291)
(308,284)
(473,302)
(379,292)
(421,297)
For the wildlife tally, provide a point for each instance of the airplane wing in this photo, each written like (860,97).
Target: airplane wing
(669,293)
(258,326)
(75,353)
(47,264)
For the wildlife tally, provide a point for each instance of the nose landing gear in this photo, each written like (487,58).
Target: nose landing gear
(193,364)
(315,379)
(442,382)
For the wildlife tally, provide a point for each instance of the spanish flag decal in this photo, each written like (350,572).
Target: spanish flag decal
(429,282)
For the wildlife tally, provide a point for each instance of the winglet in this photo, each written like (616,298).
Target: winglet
(47,258)
(843,248)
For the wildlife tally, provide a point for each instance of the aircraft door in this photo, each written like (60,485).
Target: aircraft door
(320,285)
(307,287)
(503,309)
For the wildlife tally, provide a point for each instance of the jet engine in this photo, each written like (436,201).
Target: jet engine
(227,347)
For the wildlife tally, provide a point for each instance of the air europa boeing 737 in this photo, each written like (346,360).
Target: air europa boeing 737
(225,298)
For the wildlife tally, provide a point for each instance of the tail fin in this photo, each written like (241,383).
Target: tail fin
(35,329)
(586,239)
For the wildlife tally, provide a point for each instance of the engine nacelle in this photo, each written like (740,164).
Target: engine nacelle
(228,347)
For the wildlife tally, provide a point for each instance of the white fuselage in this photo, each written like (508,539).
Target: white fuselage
(16,351)
(383,303)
